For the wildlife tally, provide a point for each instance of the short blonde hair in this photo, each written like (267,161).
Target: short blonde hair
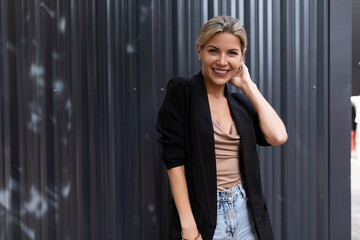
(222,24)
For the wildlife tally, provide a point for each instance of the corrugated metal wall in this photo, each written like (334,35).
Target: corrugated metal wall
(355,84)
(81,84)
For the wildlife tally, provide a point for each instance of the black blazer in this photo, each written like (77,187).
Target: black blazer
(187,138)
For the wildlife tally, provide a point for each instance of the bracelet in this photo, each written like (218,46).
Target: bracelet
(182,237)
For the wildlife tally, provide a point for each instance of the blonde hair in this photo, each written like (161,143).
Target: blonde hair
(222,24)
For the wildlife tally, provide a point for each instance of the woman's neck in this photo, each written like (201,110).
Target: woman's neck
(216,91)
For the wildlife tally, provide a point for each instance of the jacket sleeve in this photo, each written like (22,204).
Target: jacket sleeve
(170,123)
(246,104)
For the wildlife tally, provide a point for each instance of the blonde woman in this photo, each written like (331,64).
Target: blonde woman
(209,136)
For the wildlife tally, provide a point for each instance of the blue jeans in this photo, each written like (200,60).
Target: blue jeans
(234,220)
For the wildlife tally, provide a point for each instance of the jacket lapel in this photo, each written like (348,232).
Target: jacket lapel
(248,141)
(204,140)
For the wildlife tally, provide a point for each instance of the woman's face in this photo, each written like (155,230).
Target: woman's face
(221,57)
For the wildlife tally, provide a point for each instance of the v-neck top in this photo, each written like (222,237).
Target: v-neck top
(227,152)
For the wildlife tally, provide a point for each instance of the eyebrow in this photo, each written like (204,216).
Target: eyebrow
(235,49)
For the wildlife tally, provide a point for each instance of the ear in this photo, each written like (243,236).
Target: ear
(243,55)
(198,49)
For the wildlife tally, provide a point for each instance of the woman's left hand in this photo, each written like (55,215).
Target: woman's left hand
(241,78)
(270,123)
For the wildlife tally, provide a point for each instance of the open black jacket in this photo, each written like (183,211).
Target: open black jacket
(187,138)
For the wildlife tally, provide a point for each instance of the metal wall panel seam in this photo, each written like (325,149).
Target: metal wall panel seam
(288,73)
(326,19)
(3,230)
(313,53)
(278,199)
(339,89)
(5,147)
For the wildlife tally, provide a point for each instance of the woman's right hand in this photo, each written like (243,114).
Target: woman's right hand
(191,233)
(180,193)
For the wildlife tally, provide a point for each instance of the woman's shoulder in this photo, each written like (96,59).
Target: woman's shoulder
(178,88)
(177,93)
(178,83)
(183,85)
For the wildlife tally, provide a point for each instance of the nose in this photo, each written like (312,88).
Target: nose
(222,59)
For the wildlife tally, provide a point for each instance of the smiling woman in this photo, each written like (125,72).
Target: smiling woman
(209,138)
(221,58)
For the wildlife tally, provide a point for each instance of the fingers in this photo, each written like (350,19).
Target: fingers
(242,67)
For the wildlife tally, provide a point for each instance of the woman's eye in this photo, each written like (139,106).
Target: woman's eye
(233,53)
(212,51)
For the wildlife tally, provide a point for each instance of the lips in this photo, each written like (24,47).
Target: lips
(220,72)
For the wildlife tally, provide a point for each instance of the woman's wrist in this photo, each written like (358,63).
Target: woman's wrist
(186,238)
(189,228)
(187,221)
(248,87)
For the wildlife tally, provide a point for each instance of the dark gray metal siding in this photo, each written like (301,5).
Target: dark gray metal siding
(80,86)
(355,49)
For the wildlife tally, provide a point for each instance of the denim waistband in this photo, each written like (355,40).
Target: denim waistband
(232,192)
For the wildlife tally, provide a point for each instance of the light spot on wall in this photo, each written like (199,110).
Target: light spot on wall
(68,107)
(130,48)
(53,120)
(144,12)
(66,190)
(47,10)
(34,123)
(151,207)
(52,200)
(62,25)
(36,71)
(5,199)
(37,203)
(65,141)
(51,192)
(58,86)
(13,185)
(35,117)
(29,232)
(56,56)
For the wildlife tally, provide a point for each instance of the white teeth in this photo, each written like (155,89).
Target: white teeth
(219,71)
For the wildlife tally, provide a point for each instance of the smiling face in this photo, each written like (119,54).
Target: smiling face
(221,57)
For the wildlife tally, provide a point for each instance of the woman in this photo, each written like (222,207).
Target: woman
(209,138)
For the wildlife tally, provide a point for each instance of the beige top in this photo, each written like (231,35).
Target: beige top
(227,152)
